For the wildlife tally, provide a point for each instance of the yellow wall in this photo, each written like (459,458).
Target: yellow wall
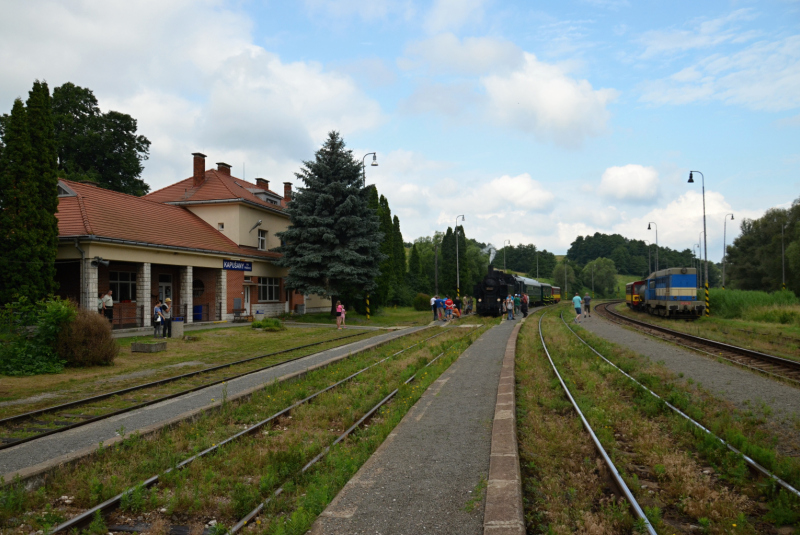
(213,214)
(314,301)
(127,253)
(272,223)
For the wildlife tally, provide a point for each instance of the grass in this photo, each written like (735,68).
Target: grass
(207,348)
(385,317)
(745,304)
(694,476)
(229,482)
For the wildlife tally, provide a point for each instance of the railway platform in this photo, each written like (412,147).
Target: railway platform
(430,474)
(36,457)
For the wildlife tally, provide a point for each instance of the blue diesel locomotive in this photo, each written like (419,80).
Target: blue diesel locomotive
(672,293)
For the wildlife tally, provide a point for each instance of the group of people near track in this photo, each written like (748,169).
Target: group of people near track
(449,309)
(582,305)
(514,304)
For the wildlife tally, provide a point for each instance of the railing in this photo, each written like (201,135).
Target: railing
(127,316)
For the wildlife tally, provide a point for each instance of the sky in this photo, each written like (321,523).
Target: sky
(539,121)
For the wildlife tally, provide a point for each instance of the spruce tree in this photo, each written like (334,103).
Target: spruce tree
(386,281)
(18,212)
(45,178)
(414,269)
(447,280)
(332,247)
(463,265)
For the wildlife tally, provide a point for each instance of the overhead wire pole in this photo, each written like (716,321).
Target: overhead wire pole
(648,228)
(724,246)
(649,265)
(700,250)
(364,185)
(458,273)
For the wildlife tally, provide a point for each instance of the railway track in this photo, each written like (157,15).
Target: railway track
(618,481)
(255,432)
(771,365)
(25,427)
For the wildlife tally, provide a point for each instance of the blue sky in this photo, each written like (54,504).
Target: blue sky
(539,121)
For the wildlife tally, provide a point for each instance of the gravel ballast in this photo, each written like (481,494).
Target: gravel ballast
(745,389)
(431,466)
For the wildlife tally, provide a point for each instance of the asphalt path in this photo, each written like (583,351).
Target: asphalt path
(37,454)
(427,476)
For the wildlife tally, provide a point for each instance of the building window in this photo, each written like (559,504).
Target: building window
(220,226)
(198,288)
(269,289)
(262,240)
(123,284)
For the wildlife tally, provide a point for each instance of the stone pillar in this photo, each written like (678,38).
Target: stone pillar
(143,289)
(221,297)
(89,292)
(187,298)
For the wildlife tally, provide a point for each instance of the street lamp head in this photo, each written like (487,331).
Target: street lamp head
(691,179)
(648,226)
(731,217)
(374,161)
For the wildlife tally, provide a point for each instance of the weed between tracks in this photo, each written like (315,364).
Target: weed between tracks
(225,485)
(710,488)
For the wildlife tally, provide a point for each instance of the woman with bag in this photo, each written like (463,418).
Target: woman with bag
(158,319)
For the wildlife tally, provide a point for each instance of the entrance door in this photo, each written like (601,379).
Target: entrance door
(164,286)
(247,300)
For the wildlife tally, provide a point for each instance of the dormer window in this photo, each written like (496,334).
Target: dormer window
(64,190)
(220,226)
(262,240)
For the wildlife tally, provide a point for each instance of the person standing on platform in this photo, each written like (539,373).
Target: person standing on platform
(448,304)
(433,306)
(457,303)
(524,305)
(576,302)
(587,305)
(517,303)
(166,313)
(158,319)
(510,306)
(108,306)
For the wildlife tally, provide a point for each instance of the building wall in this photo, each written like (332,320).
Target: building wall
(214,214)
(272,223)
(235,289)
(315,303)
(208,298)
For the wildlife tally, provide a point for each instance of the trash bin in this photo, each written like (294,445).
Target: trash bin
(177,327)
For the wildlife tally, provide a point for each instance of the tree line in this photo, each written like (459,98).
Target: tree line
(755,261)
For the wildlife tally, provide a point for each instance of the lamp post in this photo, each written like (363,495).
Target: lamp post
(705,237)
(364,185)
(458,274)
(504,253)
(700,250)
(364,165)
(648,228)
(724,246)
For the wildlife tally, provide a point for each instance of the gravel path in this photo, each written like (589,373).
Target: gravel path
(39,453)
(747,390)
(422,477)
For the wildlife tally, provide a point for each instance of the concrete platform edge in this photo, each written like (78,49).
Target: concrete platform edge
(503,513)
(35,476)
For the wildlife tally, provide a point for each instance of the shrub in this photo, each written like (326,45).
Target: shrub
(87,341)
(422,302)
(30,334)
(269,324)
(735,303)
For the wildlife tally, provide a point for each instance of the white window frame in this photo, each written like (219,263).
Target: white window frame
(269,289)
(262,240)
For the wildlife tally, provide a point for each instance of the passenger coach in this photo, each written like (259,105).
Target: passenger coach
(634,294)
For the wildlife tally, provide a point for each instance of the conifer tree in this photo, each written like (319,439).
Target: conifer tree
(400,266)
(463,265)
(386,280)
(44,166)
(18,213)
(332,247)
(414,269)
(447,280)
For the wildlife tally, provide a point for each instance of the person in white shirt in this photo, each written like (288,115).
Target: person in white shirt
(433,306)
(108,306)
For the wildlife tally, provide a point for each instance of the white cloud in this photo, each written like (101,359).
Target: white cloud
(453,14)
(629,183)
(542,99)
(368,11)
(213,91)
(446,53)
(763,76)
(702,34)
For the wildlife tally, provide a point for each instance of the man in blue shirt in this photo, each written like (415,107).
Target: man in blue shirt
(576,302)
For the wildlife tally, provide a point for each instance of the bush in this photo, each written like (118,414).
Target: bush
(87,341)
(30,334)
(269,324)
(422,302)
(731,304)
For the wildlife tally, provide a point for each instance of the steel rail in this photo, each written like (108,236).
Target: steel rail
(100,397)
(623,487)
(277,492)
(697,424)
(87,516)
(772,359)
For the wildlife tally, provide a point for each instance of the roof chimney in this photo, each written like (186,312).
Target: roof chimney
(199,168)
(287,191)
(262,183)
(224,168)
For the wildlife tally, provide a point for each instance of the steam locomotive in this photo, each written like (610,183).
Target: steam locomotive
(497,285)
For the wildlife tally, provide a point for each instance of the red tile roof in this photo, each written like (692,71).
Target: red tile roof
(103,213)
(217,186)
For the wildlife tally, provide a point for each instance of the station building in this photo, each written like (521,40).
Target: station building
(204,242)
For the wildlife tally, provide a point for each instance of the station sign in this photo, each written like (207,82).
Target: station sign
(235,265)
